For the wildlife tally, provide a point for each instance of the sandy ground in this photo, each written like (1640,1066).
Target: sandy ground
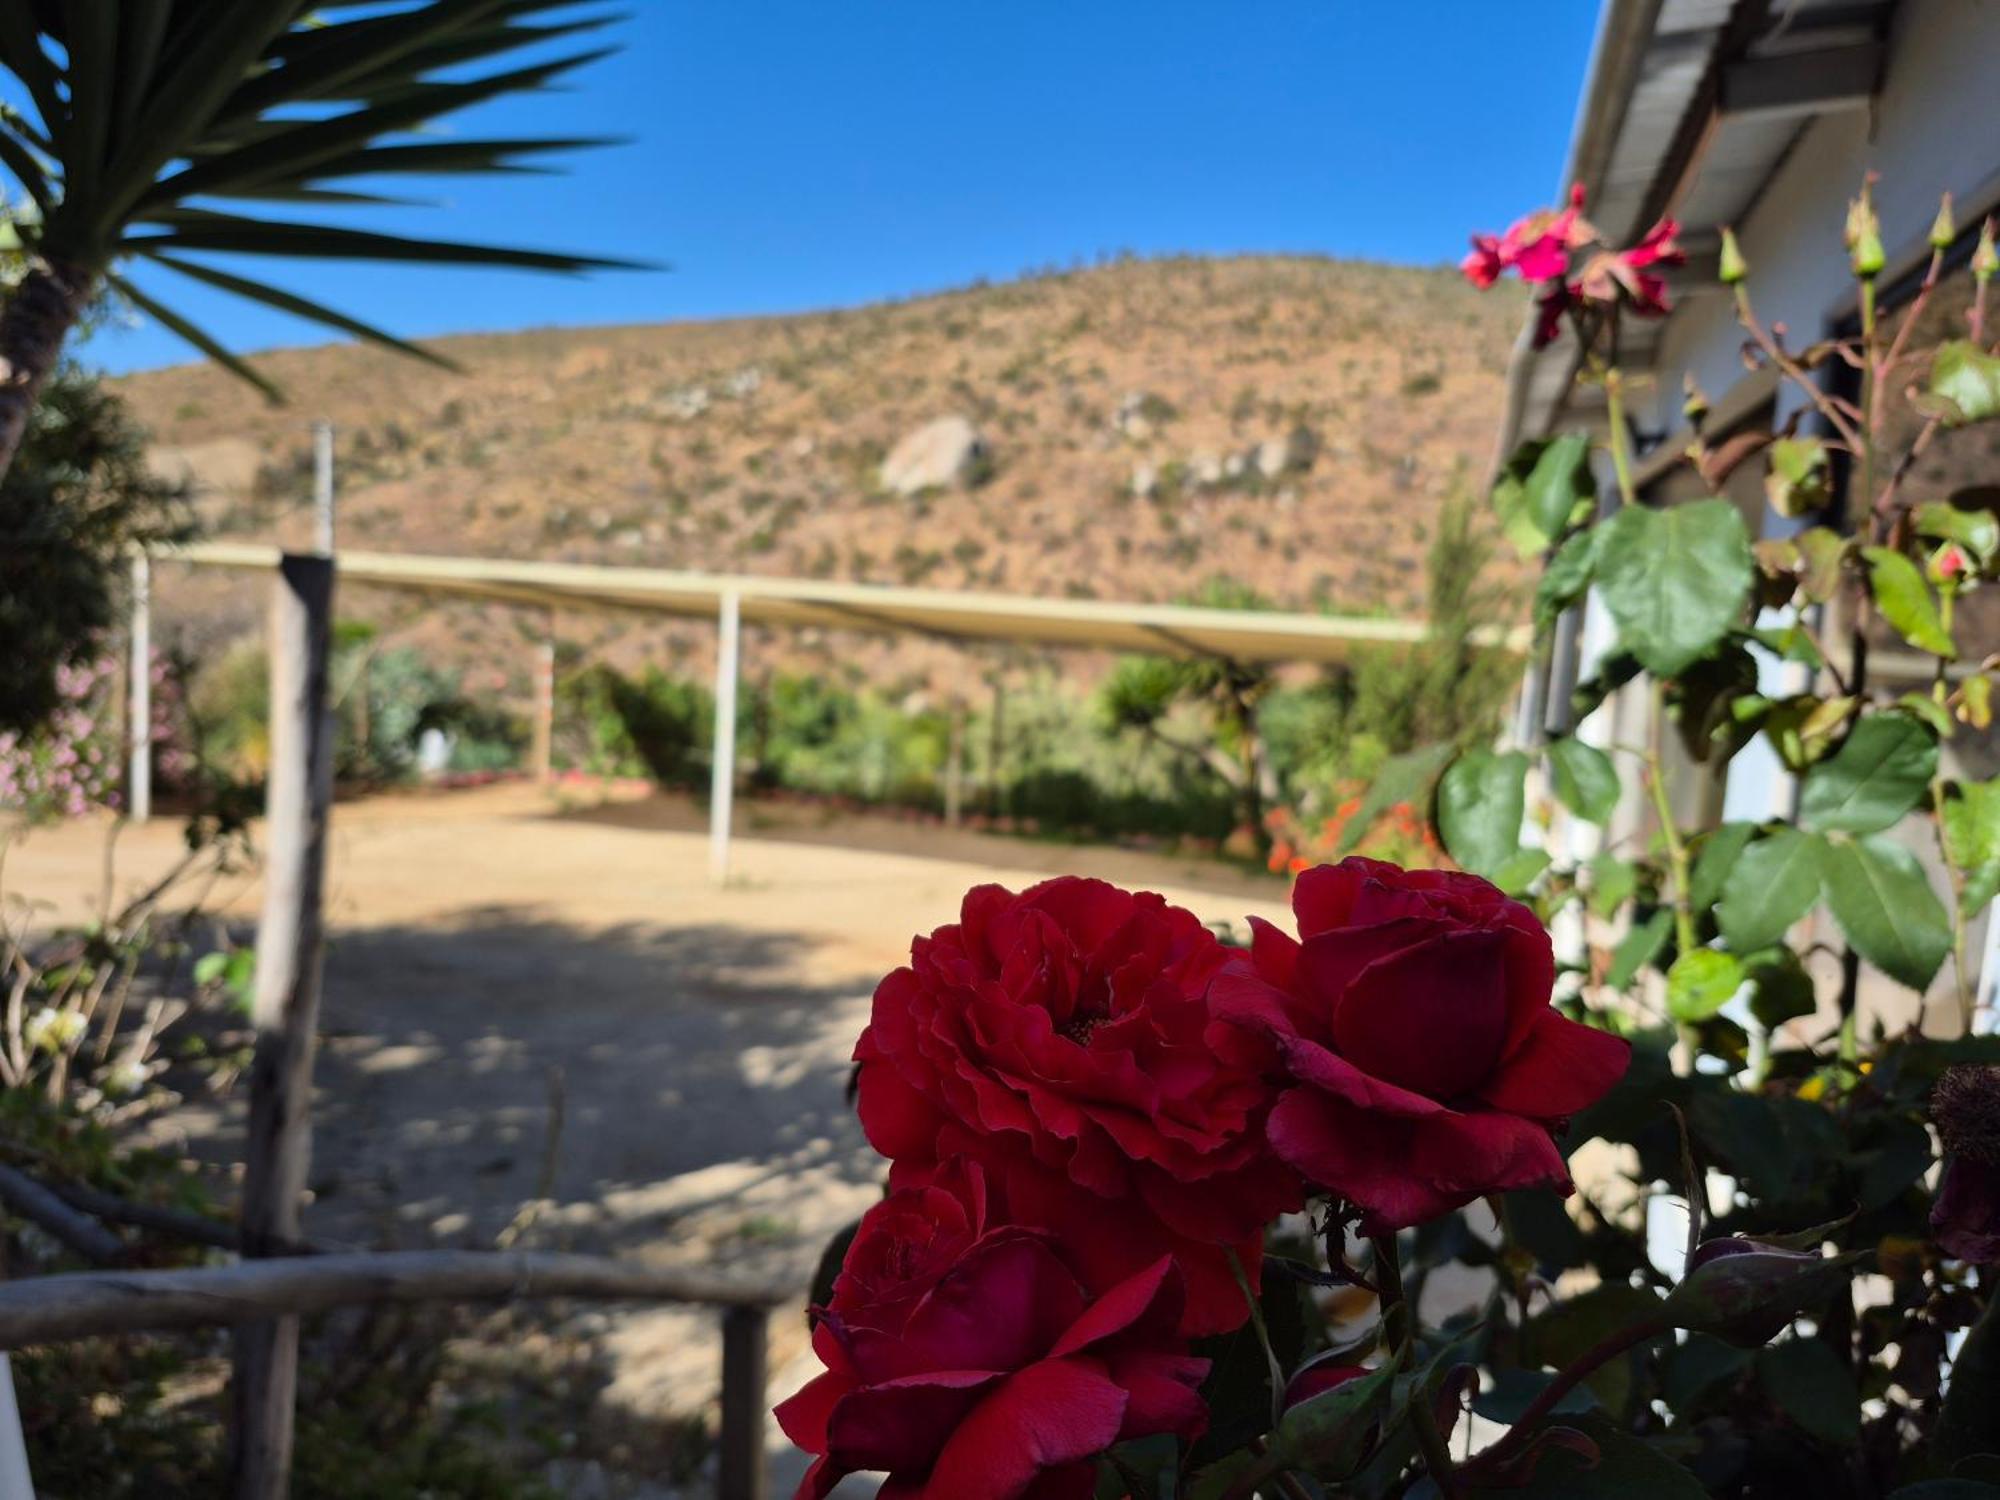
(482,939)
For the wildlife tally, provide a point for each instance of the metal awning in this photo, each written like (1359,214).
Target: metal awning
(1161,629)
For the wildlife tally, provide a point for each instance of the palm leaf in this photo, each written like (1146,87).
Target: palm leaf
(16,156)
(284,301)
(447,156)
(221,232)
(172,320)
(313,64)
(92,40)
(305,144)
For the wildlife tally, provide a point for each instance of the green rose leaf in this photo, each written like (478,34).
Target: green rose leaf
(1639,947)
(1701,982)
(1518,871)
(1559,478)
(1625,1468)
(1481,800)
(1972,839)
(1906,601)
(1612,882)
(1813,1388)
(1674,579)
(1886,906)
(1968,379)
(1783,991)
(1821,553)
(1567,576)
(1923,707)
(1797,482)
(1774,883)
(1978,531)
(1510,500)
(1877,776)
(1585,780)
(1403,778)
(1714,860)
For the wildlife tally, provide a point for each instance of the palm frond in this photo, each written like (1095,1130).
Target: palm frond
(291,302)
(246,236)
(168,318)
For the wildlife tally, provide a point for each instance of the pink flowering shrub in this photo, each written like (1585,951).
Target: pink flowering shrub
(75,761)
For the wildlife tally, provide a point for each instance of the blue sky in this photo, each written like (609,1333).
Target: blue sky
(810,154)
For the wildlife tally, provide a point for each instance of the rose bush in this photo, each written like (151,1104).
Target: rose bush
(1413,1017)
(967,1361)
(1063,1038)
(1090,1103)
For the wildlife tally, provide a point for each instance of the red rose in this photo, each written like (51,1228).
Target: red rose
(1063,1038)
(969,1363)
(1413,1016)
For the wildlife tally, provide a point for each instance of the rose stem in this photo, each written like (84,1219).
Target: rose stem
(1511,1441)
(1398,1325)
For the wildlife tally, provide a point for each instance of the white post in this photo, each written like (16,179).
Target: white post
(323,488)
(722,782)
(139,726)
(14,1477)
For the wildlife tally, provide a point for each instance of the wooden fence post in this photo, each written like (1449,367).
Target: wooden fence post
(285,1010)
(741,1474)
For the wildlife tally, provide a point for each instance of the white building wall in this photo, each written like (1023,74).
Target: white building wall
(1934,126)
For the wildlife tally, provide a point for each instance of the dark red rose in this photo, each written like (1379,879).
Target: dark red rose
(1063,1038)
(969,1363)
(1413,1017)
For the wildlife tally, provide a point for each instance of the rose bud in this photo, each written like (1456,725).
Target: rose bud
(1746,1292)
(1319,1377)
(1965,1217)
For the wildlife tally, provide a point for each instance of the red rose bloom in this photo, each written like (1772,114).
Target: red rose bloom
(1413,1016)
(1063,1038)
(969,1363)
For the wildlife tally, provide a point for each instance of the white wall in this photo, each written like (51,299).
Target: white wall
(1934,126)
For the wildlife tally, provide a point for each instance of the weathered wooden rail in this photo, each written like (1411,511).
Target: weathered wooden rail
(94,1304)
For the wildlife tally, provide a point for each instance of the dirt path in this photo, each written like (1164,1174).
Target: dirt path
(482,939)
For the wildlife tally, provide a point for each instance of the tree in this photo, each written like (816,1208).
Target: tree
(1142,691)
(77,499)
(153,123)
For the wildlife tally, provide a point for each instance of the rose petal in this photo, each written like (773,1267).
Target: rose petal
(1430,1018)
(1163,1394)
(802,1417)
(1333,1074)
(1561,1067)
(999,1308)
(1150,1297)
(901,1424)
(1044,1417)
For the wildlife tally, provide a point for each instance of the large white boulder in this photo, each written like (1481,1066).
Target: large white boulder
(946,452)
(1282,455)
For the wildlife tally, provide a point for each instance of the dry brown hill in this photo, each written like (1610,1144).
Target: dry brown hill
(755,445)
